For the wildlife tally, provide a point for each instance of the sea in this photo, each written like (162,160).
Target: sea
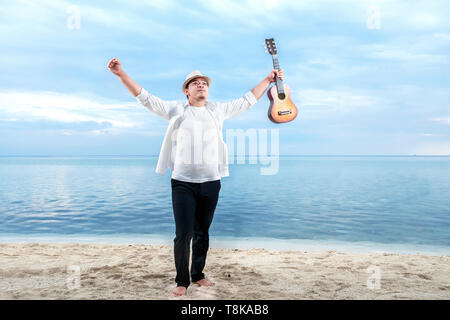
(397,204)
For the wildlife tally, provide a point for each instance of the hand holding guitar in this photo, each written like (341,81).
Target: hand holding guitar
(275,73)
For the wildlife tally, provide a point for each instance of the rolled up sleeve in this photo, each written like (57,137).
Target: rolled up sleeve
(156,105)
(238,106)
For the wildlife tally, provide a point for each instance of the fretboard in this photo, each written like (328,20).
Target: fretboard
(280,87)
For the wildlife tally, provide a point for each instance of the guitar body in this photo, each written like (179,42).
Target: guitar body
(281,110)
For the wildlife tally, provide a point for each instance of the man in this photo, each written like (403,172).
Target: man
(193,148)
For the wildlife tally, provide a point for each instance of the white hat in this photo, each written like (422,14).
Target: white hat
(192,75)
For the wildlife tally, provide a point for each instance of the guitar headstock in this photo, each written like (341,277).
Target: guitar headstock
(271,46)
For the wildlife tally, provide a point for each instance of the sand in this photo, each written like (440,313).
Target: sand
(141,271)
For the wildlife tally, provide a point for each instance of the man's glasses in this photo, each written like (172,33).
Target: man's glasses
(197,83)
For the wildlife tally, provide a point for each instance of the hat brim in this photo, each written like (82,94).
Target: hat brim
(208,79)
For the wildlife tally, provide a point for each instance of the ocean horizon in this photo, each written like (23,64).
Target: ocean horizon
(362,203)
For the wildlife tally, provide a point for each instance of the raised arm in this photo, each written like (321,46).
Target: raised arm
(259,90)
(156,105)
(115,67)
(238,106)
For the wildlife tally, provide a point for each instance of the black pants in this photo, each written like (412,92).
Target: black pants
(193,209)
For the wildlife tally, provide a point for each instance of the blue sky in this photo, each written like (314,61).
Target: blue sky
(368,77)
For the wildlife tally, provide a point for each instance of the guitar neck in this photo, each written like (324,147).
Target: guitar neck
(276,66)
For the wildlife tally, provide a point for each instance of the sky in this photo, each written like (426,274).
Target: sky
(367,77)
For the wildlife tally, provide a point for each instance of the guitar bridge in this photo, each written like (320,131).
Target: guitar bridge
(282,113)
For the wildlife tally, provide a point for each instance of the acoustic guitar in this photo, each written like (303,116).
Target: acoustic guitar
(281,108)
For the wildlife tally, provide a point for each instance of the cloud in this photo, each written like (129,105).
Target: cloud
(442,36)
(253,13)
(432,148)
(433,135)
(319,102)
(73,113)
(404,54)
(345,79)
(444,120)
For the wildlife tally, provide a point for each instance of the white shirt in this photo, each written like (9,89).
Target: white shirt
(196,147)
(173,111)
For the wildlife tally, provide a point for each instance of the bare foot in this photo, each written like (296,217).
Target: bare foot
(204,283)
(179,291)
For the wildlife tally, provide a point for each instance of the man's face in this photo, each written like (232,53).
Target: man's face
(197,89)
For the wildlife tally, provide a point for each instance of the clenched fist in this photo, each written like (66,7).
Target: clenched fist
(115,67)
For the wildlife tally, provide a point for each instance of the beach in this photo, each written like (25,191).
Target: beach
(147,271)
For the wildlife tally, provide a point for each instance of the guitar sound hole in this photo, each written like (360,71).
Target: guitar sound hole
(281,96)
